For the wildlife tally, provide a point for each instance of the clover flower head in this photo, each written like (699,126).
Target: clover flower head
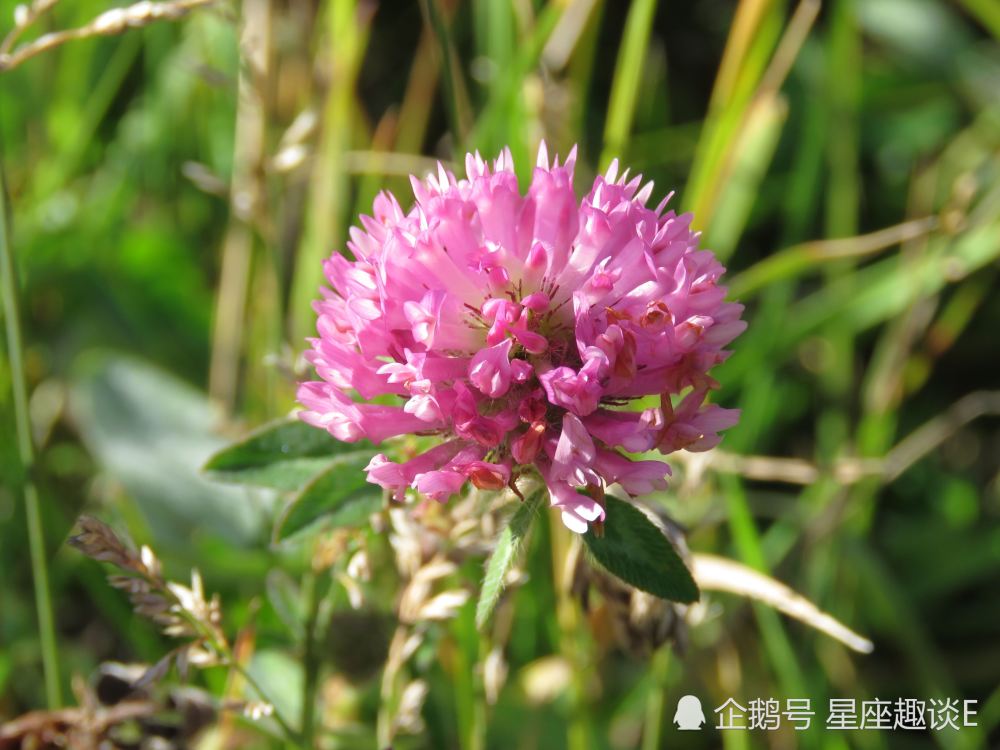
(520,329)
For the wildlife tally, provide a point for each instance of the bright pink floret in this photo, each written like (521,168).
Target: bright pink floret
(520,328)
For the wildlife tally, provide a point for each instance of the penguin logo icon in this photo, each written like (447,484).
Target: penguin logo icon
(689,715)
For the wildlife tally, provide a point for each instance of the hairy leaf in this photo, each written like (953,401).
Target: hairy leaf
(340,496)
(635,550)
(504,557)
(282,455)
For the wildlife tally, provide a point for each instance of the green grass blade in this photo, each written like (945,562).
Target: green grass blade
(628,76)
(26,450)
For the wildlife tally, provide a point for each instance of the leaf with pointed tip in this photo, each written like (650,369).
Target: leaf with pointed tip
(285,596)
(633,549)
(339,496)
(504,557)
(282,455)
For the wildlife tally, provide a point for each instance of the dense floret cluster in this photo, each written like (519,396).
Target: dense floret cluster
(520,328)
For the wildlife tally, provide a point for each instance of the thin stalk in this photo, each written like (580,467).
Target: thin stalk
(653,728)
(109,23)
(246,201)
(346,35)
(470,700)
(797,259)
(310,660)
(835,426)
(218,642)
(478,730)
(36,538)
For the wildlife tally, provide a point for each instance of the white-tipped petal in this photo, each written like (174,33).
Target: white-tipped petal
(543,156)
(612,172)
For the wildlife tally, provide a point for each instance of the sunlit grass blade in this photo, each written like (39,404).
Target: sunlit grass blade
(720,574)
(730,112)
(752,155)
(746,539)
(986,12)
(792,262)
(628,75)
(882,292)
(505,100)
(752,36)
(347,36)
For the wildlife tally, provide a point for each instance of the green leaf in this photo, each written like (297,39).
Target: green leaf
(152,432)
(283,455)
(636,551)
(340,496)
(285,596)
(504,557)
(279,676)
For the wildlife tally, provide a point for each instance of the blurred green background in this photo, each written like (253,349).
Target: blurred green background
(172,190)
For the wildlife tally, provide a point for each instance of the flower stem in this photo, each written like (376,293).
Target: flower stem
(36,538)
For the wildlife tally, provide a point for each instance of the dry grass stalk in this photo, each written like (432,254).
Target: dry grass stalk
(247,192)
(430,544)
(79,728)
(24,17)
(849,470)
(109,23)
(719,574)
(181,611)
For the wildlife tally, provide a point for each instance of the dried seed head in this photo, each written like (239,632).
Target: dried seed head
(98,541)
(182,612)
(494,675)
(408,719)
